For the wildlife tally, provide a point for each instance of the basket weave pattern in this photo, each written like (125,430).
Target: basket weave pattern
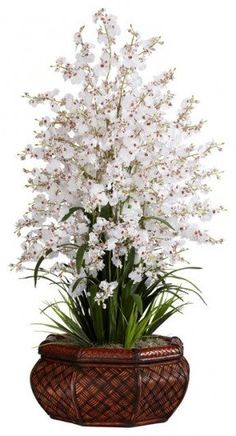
(113,387)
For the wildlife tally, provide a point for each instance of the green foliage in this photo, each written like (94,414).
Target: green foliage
(72,210)
(79,257)
(133,311)
(37,267)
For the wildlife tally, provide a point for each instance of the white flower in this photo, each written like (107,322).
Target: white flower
(112,148)
(96,188)
(54,106)
(69,101)
(78,77)
(78,286)
(105,291)
(111,243)
(116,261)
(126,156)
(53,166)
(100,224)
(83,228)
(93,239)
(53,93)
(108,288)
(67,151)
(98,195)
(136,276)
(132,210)
(40,201)
(77,38)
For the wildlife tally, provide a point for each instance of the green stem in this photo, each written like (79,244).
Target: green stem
(121,94)
(109,265)
(123,80)
(109,51)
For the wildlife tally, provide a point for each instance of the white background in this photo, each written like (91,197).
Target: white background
(200,42)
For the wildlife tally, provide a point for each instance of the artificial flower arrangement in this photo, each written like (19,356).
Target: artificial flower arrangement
(120,188)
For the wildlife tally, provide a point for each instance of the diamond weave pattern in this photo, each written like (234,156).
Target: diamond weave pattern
(110,394)
(51,384)
(163,387)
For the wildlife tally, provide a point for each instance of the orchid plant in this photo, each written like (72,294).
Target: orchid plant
(119,189)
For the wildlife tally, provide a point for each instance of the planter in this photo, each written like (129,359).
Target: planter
(110,386)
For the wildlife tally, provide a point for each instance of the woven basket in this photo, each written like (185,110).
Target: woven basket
(110,386)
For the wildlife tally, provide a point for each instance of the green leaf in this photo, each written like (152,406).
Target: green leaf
(36,269)
(96,315)
(161,220)
(179,269)
(106,211)
(70,322)
(112,308)
(130,329)
(138,301)
(75,284)
(136,328)
(155,324)
(129,265)
(52,282)
(71,211)
(80,257)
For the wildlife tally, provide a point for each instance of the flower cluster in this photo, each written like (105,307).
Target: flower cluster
(115,171)
(105,291)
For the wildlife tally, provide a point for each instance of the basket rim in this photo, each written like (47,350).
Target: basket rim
(54,348)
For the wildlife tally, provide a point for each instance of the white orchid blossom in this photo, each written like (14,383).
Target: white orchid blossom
(112,144)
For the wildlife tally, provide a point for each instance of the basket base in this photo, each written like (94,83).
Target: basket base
(110,387)
(112,424)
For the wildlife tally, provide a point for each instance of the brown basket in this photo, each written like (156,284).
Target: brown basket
(110,386)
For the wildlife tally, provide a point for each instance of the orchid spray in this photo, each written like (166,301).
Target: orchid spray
(119,189)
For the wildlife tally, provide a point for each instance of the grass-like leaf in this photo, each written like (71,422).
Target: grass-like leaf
(41,259)
(161,220)
(80,257)
(72,210)
(133,311)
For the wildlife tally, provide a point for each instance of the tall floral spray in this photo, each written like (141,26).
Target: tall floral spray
(119,189)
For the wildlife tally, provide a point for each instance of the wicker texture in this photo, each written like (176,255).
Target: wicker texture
(51,383)
(116,387)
